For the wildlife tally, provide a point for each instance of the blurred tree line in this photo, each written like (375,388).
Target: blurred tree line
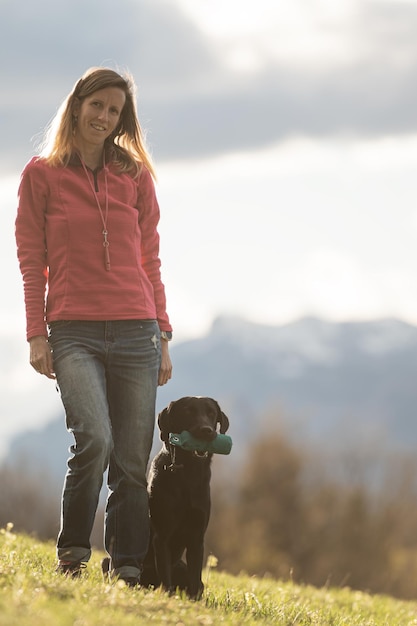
(288,514)
(285,512)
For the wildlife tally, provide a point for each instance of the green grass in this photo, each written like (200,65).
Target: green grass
(32,594)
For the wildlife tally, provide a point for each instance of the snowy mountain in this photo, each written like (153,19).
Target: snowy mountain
(333,383)
(332,378)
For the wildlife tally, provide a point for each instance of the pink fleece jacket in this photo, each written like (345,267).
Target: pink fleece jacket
(60,246)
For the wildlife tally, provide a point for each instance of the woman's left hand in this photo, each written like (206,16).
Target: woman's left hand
(165,371)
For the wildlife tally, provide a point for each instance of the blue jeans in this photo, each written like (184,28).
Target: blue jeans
(107,373)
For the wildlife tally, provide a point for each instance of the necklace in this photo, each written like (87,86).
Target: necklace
(104,216)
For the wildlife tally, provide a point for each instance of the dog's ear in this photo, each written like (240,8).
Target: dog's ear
(224,423)
(163,423)
(222,419)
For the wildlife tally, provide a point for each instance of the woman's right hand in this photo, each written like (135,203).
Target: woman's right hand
(41,356)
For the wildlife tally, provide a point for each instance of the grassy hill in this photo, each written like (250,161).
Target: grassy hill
(31,594)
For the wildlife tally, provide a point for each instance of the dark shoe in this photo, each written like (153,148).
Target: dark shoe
(70,569)
(130,581)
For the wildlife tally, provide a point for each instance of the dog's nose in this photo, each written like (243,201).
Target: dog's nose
(205,432)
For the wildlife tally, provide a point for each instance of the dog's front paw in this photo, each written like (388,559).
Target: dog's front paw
(195,594)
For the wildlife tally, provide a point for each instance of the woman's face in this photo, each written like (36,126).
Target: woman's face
(98,116)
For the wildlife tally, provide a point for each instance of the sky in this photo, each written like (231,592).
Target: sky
(284,134)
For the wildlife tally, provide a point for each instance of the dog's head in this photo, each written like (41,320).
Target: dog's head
(199,415)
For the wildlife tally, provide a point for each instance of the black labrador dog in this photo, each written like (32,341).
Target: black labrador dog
(179,497)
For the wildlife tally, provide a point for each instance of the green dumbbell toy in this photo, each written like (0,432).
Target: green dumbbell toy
(222,444)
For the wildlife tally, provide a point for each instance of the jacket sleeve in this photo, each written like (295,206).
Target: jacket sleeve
(31,246)
(148,219)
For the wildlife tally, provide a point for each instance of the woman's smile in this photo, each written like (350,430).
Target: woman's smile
(98,116)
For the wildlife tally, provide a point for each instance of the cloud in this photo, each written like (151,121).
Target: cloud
(46,46)
(191,100)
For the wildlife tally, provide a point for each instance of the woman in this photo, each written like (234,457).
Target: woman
(88,248)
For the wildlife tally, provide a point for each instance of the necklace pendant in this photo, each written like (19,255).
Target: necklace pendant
(106,251)
(107,257)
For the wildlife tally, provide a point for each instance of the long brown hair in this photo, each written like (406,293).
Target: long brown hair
(126,146)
